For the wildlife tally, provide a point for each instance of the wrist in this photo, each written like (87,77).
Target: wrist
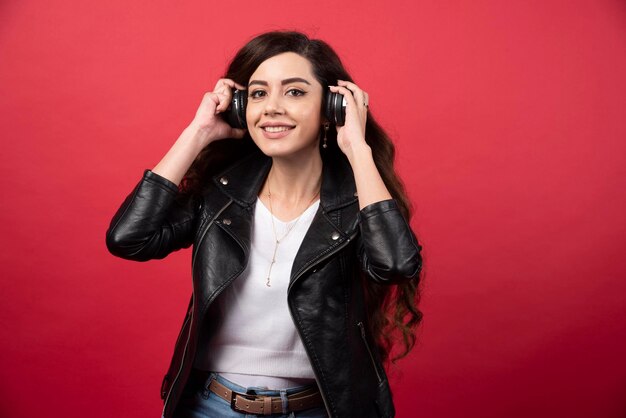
(359,153)
(199,136)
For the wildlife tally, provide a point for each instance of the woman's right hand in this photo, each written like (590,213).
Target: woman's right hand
(207,126)
(208,119)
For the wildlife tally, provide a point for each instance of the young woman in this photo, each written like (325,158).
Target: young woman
(304,266)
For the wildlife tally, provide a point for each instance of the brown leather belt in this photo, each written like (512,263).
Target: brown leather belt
(267,405)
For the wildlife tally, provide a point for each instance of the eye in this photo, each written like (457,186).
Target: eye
(255,94)
(295,92)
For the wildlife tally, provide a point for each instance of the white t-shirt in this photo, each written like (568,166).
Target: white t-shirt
(256,342)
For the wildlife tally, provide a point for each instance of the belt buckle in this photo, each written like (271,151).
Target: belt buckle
(233,398)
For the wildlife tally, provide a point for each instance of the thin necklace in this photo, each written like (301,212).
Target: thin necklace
(289,228)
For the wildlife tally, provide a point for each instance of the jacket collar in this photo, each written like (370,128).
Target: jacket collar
(243,180)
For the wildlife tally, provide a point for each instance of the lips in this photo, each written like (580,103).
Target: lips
(274,129)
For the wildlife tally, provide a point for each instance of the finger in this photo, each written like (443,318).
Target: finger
(224,101)
(210,99)
(224,91)
(230,83)
(357,92)
(233,84)
(221,95)
(351,101)
(220,84)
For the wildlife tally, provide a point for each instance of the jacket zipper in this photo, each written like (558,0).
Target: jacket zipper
(193,296)
(369,350)
(298,329)
(180,369)
(180,334)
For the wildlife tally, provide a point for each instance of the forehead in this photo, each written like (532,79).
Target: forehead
(283,66)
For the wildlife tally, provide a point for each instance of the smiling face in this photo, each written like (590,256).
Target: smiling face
(284,106)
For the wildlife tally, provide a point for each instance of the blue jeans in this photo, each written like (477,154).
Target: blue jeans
(199,402)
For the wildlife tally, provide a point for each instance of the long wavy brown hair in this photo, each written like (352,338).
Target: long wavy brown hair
(393,315)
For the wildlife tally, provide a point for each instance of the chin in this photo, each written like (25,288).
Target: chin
(284,150)
(289,146)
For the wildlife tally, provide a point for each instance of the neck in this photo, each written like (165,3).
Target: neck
(294,186)
(293,182)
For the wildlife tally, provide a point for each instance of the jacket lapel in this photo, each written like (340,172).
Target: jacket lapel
(334,223)
(336,218)
(241,183)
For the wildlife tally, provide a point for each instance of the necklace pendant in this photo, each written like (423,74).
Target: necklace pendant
(268,283)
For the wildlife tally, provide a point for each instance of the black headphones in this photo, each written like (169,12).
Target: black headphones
(334,109)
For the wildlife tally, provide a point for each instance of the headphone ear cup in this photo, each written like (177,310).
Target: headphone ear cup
(328,98)
(335,108)
(236,113)
(243,98)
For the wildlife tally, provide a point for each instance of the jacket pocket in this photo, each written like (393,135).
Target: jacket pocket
(379,375)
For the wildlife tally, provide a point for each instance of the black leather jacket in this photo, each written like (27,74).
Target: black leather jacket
(325,293)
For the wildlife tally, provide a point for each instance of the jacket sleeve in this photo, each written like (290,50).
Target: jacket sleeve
(151,223)
(388,249)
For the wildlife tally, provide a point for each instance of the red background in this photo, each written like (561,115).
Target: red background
(509,118)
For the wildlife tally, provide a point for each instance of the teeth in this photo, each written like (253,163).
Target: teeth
(276,128)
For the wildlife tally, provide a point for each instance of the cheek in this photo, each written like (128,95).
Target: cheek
(312,113)
(252,113)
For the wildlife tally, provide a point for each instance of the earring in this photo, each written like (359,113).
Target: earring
(325,144)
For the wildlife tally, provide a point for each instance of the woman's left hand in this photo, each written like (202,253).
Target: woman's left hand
(351,136)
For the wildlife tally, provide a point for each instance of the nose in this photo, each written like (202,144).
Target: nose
(273,105)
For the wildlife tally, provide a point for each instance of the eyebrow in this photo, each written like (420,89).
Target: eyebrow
(285,81)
